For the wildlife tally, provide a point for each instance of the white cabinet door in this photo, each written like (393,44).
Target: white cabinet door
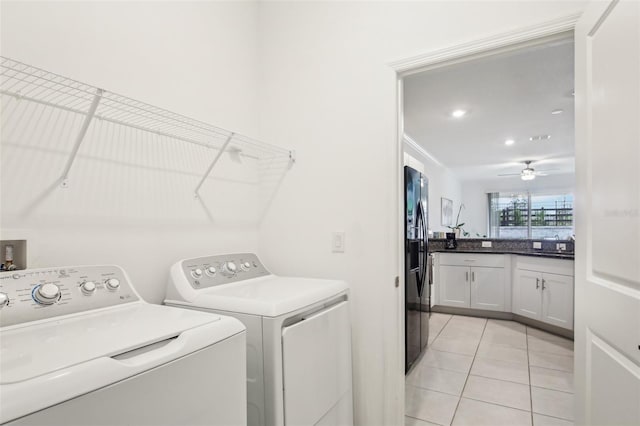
(454,286)
(557,300)
(488,288)
(526,294)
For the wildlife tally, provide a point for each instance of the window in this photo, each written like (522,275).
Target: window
(533,216)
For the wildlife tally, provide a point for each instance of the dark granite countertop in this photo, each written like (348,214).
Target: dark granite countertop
(553,255)
(507,246)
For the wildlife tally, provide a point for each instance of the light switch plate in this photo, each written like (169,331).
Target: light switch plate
(561,246)
(337,242)
(537,245)
(486,244)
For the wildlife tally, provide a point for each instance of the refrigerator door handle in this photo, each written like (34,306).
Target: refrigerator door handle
(423,270)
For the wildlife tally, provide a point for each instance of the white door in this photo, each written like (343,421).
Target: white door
(487,288)
(454,286)
(527,300)
(557,300)
(607,332)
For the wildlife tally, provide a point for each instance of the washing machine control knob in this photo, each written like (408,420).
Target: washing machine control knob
(47,294)
(112,284)
(211,270)
(4,300)
(245,266)
(196,273)
(88,287)
(229,269)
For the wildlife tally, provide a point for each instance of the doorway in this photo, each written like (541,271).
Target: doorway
(414,153)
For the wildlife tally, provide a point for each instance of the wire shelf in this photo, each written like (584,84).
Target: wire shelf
(25,82)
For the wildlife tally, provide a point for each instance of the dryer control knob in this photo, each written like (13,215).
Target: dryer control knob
(112,284)
(211,270)
(88,287)
(196,273)
(229,269)
(4,300)
(47,294)
(245,266)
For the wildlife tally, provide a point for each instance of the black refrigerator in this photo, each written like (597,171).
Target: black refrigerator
(417,292)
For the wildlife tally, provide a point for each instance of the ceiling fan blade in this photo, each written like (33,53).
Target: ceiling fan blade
(510,174)
(540,174)
(546,170)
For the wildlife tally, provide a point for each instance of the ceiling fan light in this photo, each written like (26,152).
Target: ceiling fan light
(527,175)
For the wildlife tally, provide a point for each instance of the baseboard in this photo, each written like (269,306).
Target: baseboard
(480,313)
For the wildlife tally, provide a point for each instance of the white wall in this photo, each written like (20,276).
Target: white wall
(130,199)
(327,90)
(474,195)
(442,183)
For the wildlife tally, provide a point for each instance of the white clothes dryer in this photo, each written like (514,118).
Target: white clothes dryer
(78,346)
(298,336)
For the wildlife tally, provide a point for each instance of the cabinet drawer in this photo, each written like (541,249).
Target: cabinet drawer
(541,264)
(473,259)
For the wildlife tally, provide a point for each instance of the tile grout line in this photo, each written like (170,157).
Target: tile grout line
(449,352)
(498,405)
(547,368)
(431,390)
(422,420)
(502,380)
(421,356)
(486,321)
(526,335)
(554,390)
(416,365)
(440,332)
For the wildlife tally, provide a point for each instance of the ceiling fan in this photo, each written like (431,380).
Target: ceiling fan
(528,173)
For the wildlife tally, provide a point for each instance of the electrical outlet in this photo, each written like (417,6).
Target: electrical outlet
(561,246)
(337,242)
(537,245)
(486,244)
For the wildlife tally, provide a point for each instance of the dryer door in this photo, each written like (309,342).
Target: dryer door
(317,369)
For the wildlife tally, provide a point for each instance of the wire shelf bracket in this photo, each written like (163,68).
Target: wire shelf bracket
(213,164)
(64,179)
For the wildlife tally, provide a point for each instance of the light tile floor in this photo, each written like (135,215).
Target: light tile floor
(490,372)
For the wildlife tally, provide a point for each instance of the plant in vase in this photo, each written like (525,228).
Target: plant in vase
(458,228)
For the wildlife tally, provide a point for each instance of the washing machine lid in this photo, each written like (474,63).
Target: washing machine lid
(53,345)
(269,296)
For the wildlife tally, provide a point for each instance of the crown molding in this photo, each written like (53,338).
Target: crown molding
(507,40)
(409,141)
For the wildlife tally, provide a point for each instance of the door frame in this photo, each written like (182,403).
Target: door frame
(498,43)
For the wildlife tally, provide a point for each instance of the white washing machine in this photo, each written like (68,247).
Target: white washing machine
(79,347)
(298,336)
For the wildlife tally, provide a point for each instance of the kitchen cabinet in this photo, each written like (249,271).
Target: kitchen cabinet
(477,281)
(543,290)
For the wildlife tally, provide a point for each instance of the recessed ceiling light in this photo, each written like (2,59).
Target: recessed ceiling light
(557,111)
(458,113)
(509,142)
(540,138)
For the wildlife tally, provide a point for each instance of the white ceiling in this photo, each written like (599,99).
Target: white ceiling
(507,96)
